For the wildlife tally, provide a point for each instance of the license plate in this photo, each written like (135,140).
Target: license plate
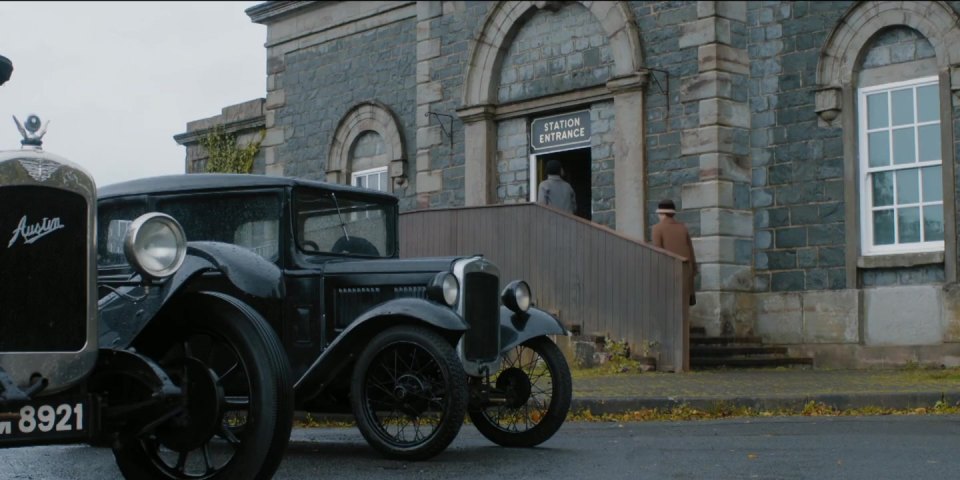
(46,421)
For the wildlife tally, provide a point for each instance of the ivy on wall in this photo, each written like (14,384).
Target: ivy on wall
(224,155)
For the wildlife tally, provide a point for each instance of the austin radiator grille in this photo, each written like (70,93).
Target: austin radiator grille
(481,307)
(351,302)
(43,259)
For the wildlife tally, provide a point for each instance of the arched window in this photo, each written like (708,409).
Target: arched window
(886,75)
(367,149)
(368,162)
(899,139)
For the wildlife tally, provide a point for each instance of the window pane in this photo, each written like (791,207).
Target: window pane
(909,224)
(879,149)
(908,187)
(382,178)
(877,110)
(928,104)
(903,146)
(882,189)
(901,106)
(933,223)
(929,142)
(932,184)
(883,227)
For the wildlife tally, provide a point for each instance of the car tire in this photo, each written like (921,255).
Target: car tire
(535,379)
(409,393)
(228,353)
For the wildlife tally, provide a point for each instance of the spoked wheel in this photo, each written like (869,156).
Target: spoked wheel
(237,412)
(409,393)
(530,398)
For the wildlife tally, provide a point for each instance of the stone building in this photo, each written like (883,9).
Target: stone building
(810,146)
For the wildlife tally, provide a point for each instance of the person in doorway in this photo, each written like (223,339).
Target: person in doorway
(555,191)
(672,235)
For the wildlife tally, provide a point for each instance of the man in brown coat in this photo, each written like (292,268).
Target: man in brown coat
(673,236)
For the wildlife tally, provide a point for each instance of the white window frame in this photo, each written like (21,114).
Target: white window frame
(369,173)
(866,188)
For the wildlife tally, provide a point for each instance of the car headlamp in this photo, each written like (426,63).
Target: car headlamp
(155,245)
(444,288)
(516,296)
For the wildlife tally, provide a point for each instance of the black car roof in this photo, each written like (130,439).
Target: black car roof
(221,181)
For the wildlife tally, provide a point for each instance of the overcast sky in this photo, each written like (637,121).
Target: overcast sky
(118,80)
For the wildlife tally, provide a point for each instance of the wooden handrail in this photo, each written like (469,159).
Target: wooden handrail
(585,273)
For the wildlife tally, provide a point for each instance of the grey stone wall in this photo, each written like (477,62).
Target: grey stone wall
(896,45)
(459,22)
(513,161)
(322,83)
(667,169)
(797,178)
(555,52)
(602,163)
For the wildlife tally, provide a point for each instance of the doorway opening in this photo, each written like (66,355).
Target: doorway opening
(576,171)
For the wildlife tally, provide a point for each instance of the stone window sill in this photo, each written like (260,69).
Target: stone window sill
(900,260)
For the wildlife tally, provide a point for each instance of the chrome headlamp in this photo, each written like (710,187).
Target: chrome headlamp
(516,296)
(444,288)
(155,245)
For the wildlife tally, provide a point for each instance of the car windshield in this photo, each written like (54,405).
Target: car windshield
(250,220)
(329,223)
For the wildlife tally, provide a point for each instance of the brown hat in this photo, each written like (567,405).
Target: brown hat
(666,206)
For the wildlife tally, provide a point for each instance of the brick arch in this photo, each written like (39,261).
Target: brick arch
(501,25)
(936,21)
(367,116)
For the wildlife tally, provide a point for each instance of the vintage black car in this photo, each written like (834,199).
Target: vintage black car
(407,345)
(226,302)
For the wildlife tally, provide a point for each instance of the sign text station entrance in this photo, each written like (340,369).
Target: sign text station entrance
(561,132)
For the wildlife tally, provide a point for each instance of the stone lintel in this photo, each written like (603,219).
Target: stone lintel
(722,221)
(476,113)
(628,83)
(717,56)
(721,111)
(711,193)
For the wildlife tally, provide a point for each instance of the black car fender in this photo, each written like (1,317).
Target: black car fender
(518,327)
(348,345)
(125,312)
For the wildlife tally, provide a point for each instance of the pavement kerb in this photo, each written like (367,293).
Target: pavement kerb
(889,400)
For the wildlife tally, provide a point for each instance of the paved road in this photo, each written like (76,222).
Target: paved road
(868,448)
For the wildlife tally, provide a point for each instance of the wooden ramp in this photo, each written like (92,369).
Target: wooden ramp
(586,274)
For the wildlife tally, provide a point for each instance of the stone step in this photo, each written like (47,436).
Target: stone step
(749,362)
(700,340)
(739,350)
